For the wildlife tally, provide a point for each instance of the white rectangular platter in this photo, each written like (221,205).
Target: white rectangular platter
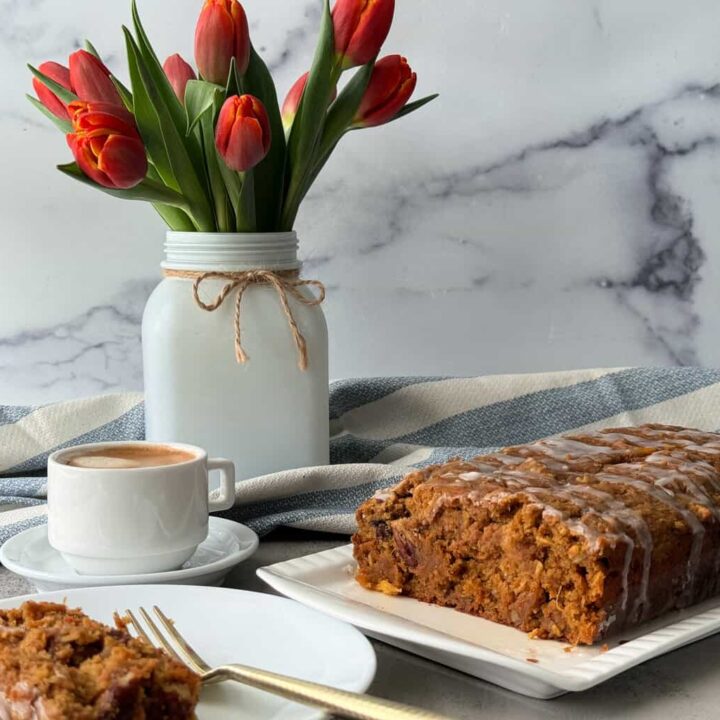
(487,650)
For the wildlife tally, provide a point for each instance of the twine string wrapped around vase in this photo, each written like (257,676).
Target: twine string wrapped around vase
(285,282)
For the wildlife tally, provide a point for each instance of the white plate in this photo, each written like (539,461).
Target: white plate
(488,650)
(29,554)
(238,626)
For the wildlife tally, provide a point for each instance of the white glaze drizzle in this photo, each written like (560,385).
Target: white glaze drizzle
(696,527)
(470,476)
(643,539)
(669,469)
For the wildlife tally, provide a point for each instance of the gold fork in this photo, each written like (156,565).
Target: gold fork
(340,702)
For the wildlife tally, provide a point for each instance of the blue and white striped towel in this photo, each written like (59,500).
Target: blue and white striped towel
(379,429)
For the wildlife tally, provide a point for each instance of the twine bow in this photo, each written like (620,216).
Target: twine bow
(285,283)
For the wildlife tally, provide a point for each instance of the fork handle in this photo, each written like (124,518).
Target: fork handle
(341,702)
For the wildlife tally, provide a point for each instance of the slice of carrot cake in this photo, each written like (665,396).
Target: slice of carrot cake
(58,664)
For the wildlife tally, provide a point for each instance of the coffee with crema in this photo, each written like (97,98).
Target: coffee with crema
(118,457)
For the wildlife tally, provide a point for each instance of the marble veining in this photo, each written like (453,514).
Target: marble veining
(555,208)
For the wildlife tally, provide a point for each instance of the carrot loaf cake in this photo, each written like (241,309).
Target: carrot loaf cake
(58,664)
(576,537)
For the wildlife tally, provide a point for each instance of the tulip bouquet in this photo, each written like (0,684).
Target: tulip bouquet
(213,151)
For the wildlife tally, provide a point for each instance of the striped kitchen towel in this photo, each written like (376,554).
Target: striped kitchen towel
(380,428)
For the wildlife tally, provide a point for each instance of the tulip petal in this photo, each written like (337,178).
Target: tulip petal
(91,79)
(214,42)
(292,100)
(60,74)
(245,147)
(224,126)
(361,27)
(123,160)
(371,31)
(179,73)
(346,16)
(86,160)
(390,87)
(394,104)
(241,32)
(88,117)
(242,133)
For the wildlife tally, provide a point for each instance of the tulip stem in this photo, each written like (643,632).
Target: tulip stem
(224,216)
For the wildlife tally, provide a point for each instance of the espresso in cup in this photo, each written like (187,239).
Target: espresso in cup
(127,456)
(132,507)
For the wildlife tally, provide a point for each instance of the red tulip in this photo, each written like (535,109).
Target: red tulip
(292,100)
(242,135)
(220,35)
(90,79)
(106,144)
(391,84)
(361,27)
(60,74)
(178,73)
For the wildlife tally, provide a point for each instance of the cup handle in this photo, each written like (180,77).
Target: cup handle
(227,484)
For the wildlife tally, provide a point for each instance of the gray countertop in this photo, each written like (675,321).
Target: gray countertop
(684,684)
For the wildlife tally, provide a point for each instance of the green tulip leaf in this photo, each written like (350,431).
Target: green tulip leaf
(125,94)
(63,93)
(338,121)
(166,145)
(269,174)
(92,50)
(225,184)
(175,218)
(412,107)
(233,183)
(224,208)
(147,119)
(310,118)
(64,125)
(163,90)
(142,37)
(147,190)
(184,152)
(201,97)
(344,109)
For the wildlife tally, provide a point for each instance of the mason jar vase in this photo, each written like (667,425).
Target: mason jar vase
(266,414)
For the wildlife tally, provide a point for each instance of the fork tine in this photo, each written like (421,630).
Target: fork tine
(187,650)
(164,642)
(138,627)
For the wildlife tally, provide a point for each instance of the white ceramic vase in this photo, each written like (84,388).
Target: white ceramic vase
(265,414)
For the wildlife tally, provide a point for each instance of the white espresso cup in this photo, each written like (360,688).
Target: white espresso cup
(131,520)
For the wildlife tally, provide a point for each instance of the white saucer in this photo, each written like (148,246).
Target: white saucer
(29,554)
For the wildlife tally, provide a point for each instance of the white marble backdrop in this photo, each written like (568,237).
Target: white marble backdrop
(557,207)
